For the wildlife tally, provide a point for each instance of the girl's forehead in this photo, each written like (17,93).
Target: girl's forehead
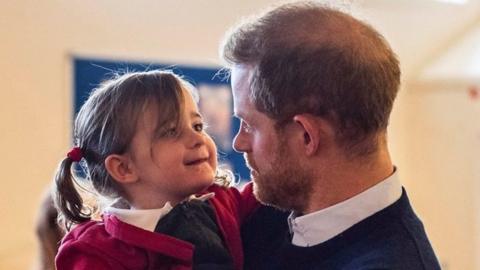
(190,102)
(189,89)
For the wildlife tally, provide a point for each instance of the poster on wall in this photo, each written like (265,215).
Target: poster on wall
(215,104)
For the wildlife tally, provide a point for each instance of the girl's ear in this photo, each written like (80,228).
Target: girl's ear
(316,132)
(120,167)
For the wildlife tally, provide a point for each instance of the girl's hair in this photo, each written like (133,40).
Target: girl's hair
(106,124)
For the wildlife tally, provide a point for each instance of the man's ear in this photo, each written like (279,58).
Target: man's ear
(317,132)
(120,167)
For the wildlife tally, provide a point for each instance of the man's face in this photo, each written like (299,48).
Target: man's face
(277,175)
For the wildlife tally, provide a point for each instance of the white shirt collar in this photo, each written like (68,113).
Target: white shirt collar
(147,219)
(320,226)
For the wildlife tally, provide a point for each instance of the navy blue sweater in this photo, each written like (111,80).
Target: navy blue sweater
(393,238)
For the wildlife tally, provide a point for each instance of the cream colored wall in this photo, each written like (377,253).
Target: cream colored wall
(444,144)
(39,38)
(440,167)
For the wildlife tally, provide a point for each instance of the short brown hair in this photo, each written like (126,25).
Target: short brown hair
(311,58)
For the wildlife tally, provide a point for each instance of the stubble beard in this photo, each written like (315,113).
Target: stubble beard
(284,184)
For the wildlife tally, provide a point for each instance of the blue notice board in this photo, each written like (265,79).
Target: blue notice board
(215,103)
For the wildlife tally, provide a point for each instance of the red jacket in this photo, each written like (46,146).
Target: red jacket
(113,244)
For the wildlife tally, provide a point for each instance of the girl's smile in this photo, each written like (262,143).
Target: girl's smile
(171,167)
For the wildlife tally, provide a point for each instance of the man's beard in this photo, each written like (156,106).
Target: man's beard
(284,184)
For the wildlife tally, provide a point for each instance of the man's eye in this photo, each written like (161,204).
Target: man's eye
(246,128)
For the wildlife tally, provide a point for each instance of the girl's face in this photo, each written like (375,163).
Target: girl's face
(173,167)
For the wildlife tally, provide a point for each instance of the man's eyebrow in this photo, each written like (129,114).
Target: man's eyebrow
(244,118)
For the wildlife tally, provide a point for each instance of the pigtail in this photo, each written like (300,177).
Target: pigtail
(68,201)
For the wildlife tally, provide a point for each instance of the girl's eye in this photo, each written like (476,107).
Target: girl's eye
(198,127)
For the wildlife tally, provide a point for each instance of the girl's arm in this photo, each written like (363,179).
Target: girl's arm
(234,203)
(232,208)
(247,203)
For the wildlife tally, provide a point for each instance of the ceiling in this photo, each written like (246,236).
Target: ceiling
(420,31)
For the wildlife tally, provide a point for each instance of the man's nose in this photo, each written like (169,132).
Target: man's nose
(241,143)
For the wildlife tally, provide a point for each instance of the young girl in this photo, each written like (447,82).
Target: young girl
(141,141)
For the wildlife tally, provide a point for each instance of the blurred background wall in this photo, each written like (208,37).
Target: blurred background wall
(435,127)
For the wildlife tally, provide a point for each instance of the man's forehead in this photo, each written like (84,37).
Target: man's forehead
(240,78)
(241,75)
(239,110)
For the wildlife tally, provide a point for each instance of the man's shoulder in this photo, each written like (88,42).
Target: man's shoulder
(393,238)
(265,227)
(266,219)
(263,233)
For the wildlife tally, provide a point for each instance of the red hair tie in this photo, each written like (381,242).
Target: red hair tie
(75,154)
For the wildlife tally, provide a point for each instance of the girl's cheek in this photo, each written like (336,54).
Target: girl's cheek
(213,160)
(212,149)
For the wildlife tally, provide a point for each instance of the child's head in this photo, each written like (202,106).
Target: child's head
(141,138)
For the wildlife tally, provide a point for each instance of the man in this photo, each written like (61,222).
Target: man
(313,88)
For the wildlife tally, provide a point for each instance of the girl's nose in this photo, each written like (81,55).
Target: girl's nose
(196,139)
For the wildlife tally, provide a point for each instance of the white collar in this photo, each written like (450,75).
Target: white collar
(320,226)
(147,219)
